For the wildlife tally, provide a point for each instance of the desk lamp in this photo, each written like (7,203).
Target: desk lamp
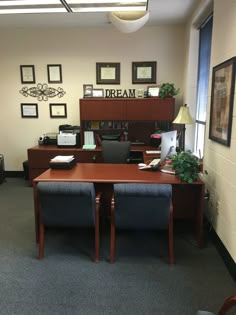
(183,118)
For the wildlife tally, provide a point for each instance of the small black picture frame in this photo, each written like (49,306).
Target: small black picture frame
(87,89)
(27,74)
(29,110)
(108,73)
(54,73)
(222,101)
(58,110)
(144,72)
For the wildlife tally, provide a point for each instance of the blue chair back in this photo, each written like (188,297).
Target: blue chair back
(67,203)
(142,206)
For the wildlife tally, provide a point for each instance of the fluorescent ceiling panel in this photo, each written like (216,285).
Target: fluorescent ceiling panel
(44,6)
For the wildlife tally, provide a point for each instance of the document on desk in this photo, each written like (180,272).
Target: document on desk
(63,158)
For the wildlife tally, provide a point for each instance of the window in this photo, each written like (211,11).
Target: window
(202,86)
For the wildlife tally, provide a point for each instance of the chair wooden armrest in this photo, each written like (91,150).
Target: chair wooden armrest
(228,304)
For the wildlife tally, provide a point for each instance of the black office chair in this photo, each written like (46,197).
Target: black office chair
(228,304)
(115,151)
(142,206)
(68,204)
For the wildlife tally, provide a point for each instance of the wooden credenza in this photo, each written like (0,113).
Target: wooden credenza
(141,114)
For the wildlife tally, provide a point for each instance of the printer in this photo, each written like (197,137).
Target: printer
(69,136)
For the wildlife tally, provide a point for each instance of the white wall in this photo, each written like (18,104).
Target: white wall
(219,160)
(77,50)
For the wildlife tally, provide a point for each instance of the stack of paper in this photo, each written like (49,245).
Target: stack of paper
(62,159)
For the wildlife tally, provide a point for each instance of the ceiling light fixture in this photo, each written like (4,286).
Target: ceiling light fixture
(128,23)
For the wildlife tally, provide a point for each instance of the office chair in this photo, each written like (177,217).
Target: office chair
(115,151)
(68,204)
(142,206)
(227,306)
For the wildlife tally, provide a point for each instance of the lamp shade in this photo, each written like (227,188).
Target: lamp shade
(183,116)
(128,24)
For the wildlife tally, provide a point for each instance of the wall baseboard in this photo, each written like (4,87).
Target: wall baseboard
(14,174)
(225,255)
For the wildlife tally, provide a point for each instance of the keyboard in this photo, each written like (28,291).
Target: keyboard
(153,152)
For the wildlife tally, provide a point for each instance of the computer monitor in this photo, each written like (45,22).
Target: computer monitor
(168,144)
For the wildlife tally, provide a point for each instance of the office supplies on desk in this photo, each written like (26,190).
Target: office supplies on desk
(69,136)
(153,151)
(167,169)
(89,137)
(89,146)
(152,166)
(62,162)
(48,138)
(66,139)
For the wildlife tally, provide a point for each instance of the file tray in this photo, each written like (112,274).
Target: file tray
(62,165)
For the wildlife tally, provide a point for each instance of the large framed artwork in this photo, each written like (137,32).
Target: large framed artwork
(222,99)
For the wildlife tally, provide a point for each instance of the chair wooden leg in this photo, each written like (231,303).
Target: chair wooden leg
(41,241)
(112,236)
(171,237)
(97,232)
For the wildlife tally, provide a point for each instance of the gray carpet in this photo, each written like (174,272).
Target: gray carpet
(67,281)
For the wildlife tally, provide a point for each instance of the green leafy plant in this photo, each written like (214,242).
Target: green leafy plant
(168,90)
(186,166)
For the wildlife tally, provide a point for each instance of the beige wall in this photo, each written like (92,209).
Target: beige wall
(219,160)
(77,50)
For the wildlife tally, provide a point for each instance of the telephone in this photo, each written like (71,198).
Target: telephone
(154,162)
(152,166)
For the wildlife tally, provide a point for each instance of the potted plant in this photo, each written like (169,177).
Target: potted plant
(186,166)
(168,90)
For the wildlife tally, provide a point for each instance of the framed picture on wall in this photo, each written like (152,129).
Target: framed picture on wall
(144,72)
(29,110)
(108,73)
(222,100)
(27,74)
(88,88)
(54,73)
(58,110)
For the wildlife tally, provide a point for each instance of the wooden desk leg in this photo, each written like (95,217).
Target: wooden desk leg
(36,211)
(199,218)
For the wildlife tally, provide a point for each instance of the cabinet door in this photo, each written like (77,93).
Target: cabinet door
(89,156)
(105,109)
(150,109)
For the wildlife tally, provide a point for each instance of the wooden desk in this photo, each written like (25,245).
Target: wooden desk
(39,156)
(187,198)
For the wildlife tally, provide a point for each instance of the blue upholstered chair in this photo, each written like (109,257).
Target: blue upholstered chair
(142,206)
(116,152)
(68,204)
